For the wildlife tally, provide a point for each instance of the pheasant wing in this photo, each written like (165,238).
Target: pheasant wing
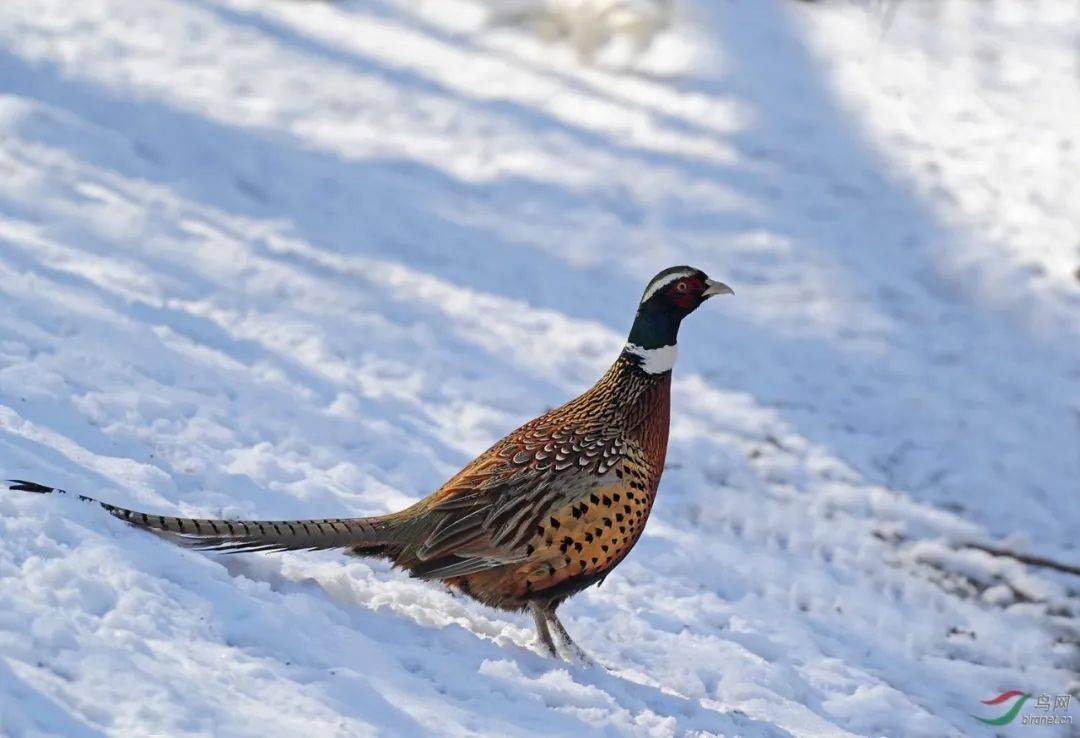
(491,508)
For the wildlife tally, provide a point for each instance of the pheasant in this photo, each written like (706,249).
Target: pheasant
(544,513)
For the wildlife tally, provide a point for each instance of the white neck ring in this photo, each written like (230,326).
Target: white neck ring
(654,361)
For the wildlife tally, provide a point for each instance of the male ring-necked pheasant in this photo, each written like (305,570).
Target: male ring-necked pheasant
(550,509)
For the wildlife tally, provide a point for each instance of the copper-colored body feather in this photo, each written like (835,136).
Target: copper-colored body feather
(553,506)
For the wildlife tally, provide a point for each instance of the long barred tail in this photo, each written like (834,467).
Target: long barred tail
(362,535)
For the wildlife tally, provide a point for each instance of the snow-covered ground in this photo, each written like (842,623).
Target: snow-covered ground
(270,258)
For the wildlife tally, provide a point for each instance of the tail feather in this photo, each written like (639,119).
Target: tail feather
(361,535)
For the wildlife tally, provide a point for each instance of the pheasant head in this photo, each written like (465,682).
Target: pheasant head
(669,297)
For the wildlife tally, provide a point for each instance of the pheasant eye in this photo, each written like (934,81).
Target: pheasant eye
(681,287)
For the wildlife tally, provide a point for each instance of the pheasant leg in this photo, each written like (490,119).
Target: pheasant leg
(575,650)
(540,618)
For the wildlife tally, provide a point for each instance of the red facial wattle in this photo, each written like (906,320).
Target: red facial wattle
(686,293)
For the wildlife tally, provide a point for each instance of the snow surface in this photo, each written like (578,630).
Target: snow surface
(289,259)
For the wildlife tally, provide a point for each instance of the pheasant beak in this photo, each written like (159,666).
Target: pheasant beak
(712,287)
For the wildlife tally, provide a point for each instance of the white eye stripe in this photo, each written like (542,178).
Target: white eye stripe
(657,286)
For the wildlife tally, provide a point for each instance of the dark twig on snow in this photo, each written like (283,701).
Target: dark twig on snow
(1026,558)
